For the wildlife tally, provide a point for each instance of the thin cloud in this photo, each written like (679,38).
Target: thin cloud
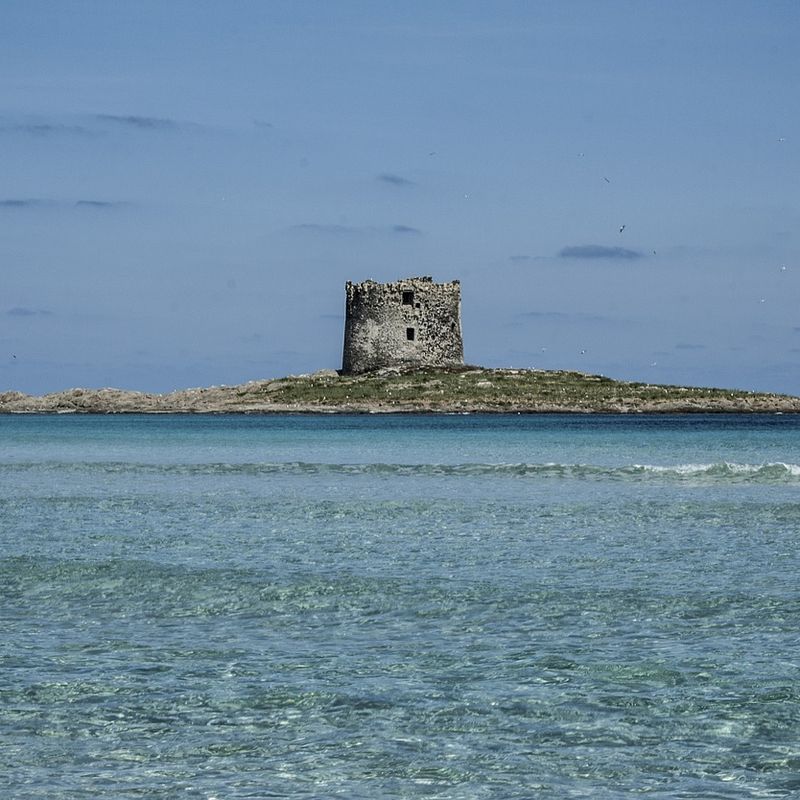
(521,258)
(21,311)
(689,346)
(598,251)
(394,180)
(561,316)
(43,129)
(316,227)
(354,230)
(140,123)
(101,204)
(544,315)
(90,125)
(25,202)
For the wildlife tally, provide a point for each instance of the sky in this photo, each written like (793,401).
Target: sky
(185,187)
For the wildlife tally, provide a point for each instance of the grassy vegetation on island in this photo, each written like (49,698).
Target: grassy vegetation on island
(468,389)
(499,390)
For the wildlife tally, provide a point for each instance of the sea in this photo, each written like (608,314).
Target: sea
(399,606)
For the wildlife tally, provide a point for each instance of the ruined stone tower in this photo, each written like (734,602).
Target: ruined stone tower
(413,322)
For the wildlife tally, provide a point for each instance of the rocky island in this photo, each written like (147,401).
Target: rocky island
(462,389)
(403,353)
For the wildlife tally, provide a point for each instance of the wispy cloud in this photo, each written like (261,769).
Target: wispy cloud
(25,202)
(101,204)
(550,315)
(89,125)
(561,316)
(596,251)
(394,180)
(43,129)
(689,346)
(316,227)
(140,123)
(21,311)
(31,203)
(355,230)
(522,258)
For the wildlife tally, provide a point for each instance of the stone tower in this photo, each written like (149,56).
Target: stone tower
(413,322)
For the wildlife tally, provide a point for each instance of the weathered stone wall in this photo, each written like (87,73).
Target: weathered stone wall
(412,322)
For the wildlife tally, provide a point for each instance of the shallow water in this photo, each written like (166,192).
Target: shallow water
(404,606)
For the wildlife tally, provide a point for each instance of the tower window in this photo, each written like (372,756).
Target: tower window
(410,332)
(408,298)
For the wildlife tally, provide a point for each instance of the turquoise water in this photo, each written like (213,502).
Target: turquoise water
(386,607)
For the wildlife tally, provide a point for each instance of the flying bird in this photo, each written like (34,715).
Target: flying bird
(606,179)
(621,228)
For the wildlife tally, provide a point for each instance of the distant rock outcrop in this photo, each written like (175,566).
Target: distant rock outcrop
(393,389)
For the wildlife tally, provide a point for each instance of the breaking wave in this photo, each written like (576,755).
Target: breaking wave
(723,472)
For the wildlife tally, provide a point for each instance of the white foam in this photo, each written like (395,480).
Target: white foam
(729,467)
(680,469)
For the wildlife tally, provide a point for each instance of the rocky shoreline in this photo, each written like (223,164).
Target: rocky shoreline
(468,390)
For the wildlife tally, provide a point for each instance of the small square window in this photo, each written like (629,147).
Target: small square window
(410,334)
(408,298)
